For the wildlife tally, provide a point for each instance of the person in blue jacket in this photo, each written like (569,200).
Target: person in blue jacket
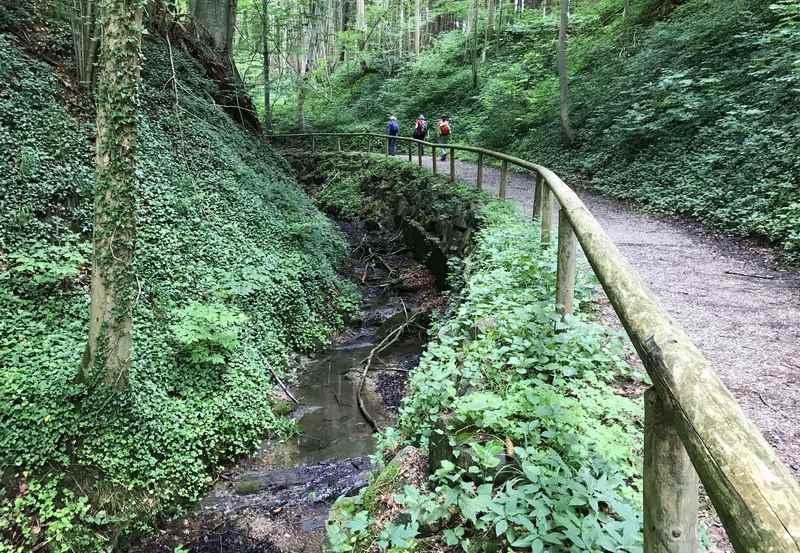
(392,129)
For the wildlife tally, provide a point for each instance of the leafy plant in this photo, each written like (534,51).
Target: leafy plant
(535,450)
(207,332)
(43,264)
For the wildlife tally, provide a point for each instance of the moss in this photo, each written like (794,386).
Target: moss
(382,483)
(282,408)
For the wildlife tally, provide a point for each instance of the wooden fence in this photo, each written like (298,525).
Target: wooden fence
(693,426)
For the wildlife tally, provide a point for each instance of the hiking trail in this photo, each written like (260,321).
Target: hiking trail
(741,311)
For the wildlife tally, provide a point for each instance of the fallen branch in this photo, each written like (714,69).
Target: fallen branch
(390,339)
(279,381)
(764,277)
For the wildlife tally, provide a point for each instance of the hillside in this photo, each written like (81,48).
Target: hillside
(693,112)
(236,268)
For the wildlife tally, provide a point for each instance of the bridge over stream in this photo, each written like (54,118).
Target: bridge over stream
(724,297)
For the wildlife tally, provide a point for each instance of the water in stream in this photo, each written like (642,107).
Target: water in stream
(278,498)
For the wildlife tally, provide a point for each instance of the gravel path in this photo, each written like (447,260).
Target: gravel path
(741,311)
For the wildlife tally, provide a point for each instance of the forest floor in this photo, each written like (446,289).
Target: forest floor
(740,309)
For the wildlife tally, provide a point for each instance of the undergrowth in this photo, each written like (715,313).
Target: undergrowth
(236,268)
(530,445)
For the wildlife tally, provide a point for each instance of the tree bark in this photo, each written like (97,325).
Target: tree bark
(107,357)
(567,133)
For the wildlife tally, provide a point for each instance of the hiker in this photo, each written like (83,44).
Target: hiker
(420,130)
(392,129)
(444,135)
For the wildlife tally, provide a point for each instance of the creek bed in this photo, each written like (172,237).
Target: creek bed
(278,498)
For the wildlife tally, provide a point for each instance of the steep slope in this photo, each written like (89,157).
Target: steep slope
(236,266)
(692,114)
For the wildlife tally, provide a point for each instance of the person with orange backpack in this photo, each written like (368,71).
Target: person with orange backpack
(444,134)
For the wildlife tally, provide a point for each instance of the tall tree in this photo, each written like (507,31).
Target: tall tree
(361,16)
(114,287)
(567,133)
(265,37)
(475,39)
(85,38)
(218,19)
(417,26)
(490,9)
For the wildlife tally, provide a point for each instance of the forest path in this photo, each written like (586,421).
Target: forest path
(741,311)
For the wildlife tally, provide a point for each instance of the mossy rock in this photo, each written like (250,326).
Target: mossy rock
(384,482)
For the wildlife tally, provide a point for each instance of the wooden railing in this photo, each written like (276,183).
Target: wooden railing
(693,426)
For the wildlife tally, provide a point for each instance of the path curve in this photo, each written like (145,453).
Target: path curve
(739,309)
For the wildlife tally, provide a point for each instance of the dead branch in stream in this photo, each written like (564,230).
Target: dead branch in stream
(390,339)
(279,381)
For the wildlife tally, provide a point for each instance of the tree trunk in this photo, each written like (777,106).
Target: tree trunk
(218,19)
(475,43)
(418,26)
(361,16)
(85,39)
(107,358)
(301,105)
(490,9)
(567,133)
(267,84)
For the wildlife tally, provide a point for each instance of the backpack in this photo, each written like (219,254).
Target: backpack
(444,128)
(420,128)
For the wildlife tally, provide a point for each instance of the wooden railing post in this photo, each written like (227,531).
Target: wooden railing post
(410,152)
(339,143)
(313,143)
(547,213)
(537,197)
(419,154)
(503,179)
(670,483)
(452,165)
(567,267)
(479,178)
(433,160)
(388,145)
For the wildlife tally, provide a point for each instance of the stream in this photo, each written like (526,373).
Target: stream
(277,500)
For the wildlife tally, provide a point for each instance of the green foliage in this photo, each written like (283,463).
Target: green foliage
(341,196)
(46,264)
(234,265)
(687,110)
(42,506)
(545,455)
(206,333)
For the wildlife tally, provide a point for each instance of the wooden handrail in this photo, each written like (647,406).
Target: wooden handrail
(757,498)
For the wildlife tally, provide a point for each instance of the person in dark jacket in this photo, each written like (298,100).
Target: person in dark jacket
(420,130)
(392,129)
